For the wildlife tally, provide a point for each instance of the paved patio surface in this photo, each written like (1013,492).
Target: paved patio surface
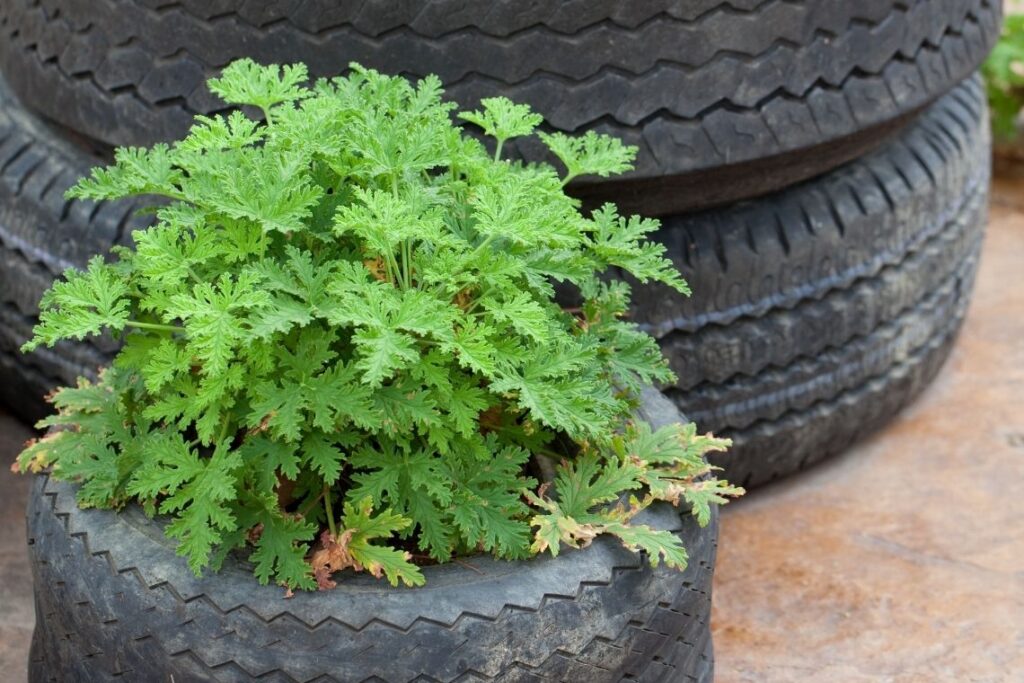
(902,560)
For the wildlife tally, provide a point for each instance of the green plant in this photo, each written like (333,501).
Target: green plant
(350,307)
(1004,73)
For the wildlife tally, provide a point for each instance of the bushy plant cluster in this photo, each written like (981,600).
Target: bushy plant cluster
(1004,74)
(341,347)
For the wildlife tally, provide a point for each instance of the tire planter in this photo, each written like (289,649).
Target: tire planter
(820,311)
(725,99)
(113,601)
(42,234)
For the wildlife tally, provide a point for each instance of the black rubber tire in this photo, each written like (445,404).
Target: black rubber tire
(821,310)
(42,234)
(113,601)
(725,98)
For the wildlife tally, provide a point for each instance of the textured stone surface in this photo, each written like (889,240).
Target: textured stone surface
(902,560)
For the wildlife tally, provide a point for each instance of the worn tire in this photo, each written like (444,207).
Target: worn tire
(725,98)
(42,234)
(113,601)
(820,311)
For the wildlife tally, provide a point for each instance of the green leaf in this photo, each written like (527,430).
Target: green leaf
(271,456)
(83,304)
(281,546)
(90,460)
(323,456)
(280,407)
(522,313)
(702,495)
(166,362)
(623,242)
(246,82)
(382,352)
(135,171)
(198,495)
(488,507)
(473,348)
(659,544)
(464,404)
(503,119)
(590,154)
(363,527)
(215,317)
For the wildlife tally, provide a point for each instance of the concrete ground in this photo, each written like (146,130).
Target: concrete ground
(902,560)
(16,615)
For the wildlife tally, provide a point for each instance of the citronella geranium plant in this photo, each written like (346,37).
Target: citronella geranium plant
(341,345)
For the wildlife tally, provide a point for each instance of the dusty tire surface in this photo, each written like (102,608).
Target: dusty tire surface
(725,98)
(821,310)
(41,235)
(115,603)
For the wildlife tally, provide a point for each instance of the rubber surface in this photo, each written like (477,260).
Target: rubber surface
(819,311)
(114,602)
(725,98)
(42,234)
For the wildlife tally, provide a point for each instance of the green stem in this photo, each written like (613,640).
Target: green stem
(329,511)
(304,510)
(568,178)
(497,149)
(407,263)
(403,271)
(482,245)
(394,272)
(154,326)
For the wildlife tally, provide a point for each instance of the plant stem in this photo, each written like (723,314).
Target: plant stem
(154,326)
(403,271)
(407,263)
(329,511)
(304,510)
(394,271)
(497,149)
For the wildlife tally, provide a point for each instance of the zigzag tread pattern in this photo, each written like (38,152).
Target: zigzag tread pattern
(898,232)
(898,60)
(111,618)
(439,18)
(745,261)
(41,235)
(772,449)
(717,355)
(743,402)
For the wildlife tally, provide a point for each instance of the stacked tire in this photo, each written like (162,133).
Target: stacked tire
(820,168)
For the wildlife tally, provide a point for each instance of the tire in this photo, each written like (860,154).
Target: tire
(113,601)
(820,311)
(42,234)
(725,99)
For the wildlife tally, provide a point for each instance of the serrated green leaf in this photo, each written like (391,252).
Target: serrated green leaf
(246,82)
(503,119)
(590,154)
(82,304)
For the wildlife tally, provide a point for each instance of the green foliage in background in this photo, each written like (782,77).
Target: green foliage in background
(1004,73)
(341,346)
